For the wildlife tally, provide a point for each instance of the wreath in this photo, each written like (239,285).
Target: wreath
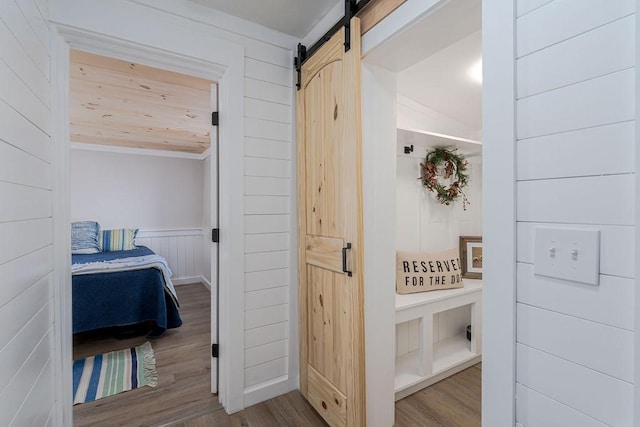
(442,166)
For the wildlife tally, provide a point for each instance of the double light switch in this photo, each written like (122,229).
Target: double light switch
(569,254)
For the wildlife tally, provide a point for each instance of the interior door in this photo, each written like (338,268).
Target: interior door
(213,216)
(330,232)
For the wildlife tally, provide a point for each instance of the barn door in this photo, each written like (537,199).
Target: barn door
(330,232)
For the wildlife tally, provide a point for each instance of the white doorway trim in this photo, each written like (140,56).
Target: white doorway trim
(379,180)
(499,213)
(224,65)
(636,335)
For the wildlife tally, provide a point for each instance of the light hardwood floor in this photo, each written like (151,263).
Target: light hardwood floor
(182,397)
(453,402)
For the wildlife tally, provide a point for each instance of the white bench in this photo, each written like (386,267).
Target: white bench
(432,362)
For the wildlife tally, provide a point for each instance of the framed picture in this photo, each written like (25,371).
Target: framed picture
(471,256)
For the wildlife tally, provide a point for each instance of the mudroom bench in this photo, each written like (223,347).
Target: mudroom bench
(434,360)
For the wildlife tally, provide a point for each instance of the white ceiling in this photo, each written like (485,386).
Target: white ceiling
(432,58)
(443,83)
(294,17)
(440,27)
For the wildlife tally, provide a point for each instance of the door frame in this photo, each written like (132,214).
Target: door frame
(636,335)
(225,66)
(213,249)
(499,208)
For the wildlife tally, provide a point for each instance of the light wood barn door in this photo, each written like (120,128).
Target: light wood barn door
(329,221)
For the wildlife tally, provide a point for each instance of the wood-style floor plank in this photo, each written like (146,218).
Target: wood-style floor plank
(452,402)
(183,399)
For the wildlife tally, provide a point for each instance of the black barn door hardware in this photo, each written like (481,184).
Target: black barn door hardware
(297,62)
(351,8)
(349,11)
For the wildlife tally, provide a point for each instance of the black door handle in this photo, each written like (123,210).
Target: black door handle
(344,260)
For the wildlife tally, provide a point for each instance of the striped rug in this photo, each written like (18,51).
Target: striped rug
(107,374)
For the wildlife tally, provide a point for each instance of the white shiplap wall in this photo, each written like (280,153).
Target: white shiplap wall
(26,228)
(268,202)
(575,131)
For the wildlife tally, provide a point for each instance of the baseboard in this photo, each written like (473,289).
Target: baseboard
(186,280)
(268,390)
(205,282)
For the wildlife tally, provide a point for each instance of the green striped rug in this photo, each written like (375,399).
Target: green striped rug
(111,373)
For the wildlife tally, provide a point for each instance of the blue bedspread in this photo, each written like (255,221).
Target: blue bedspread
(123,297)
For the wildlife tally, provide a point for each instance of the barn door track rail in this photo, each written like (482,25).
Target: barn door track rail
(351,8)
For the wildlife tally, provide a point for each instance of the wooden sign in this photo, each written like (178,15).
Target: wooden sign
(421,271)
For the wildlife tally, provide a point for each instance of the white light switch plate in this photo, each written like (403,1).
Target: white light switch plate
(569,254)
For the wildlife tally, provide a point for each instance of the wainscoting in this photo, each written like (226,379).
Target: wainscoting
(182,248)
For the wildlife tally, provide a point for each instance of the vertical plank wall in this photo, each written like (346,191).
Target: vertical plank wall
(183,250)
(575,131)
(26,230)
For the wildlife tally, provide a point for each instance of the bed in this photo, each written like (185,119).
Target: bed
(123,288)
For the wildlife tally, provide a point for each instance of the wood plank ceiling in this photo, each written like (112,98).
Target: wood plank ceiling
(120,103)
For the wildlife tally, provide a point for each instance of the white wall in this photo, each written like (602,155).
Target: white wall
(26,224)
(575,144)
(423,223)
(267,147)
(122,190)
